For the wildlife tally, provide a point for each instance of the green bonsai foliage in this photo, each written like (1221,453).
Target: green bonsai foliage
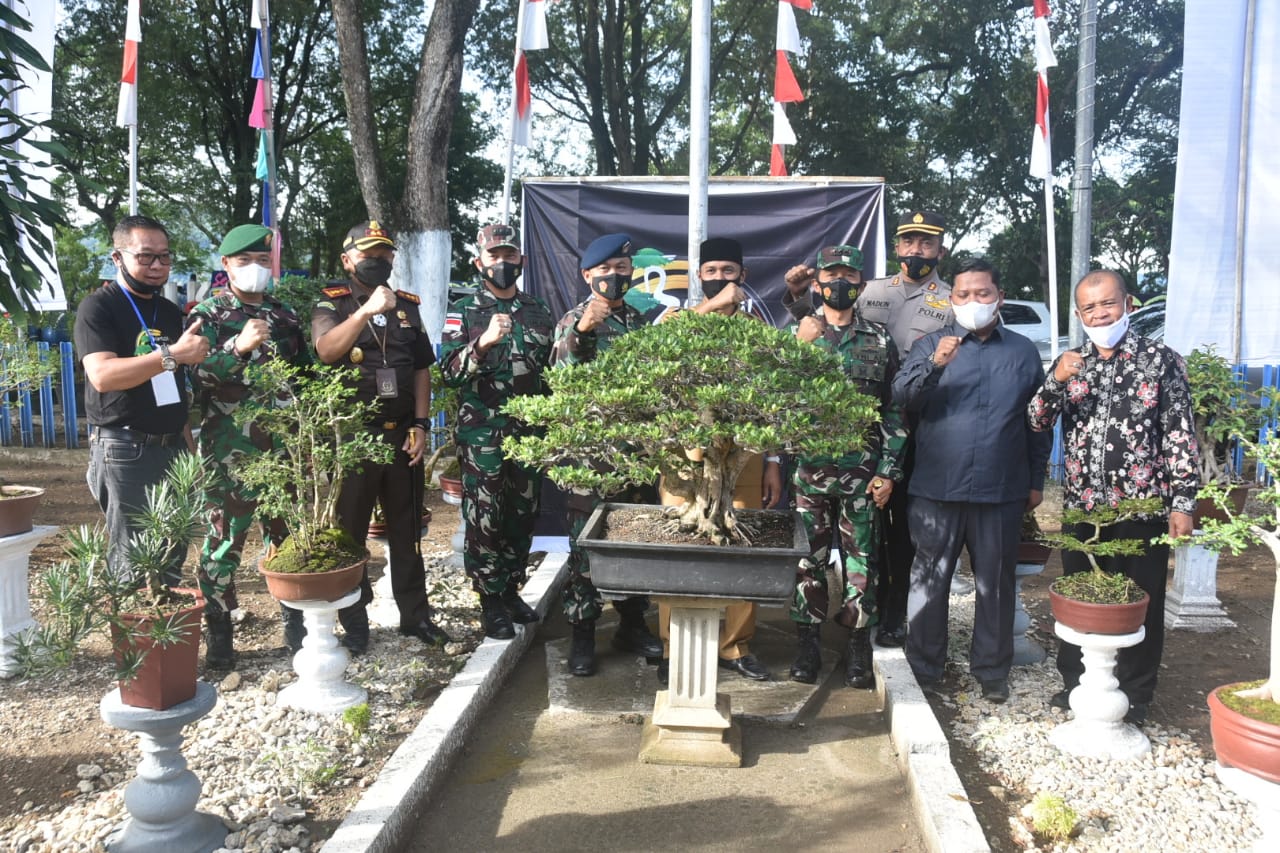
(82,595)
(20,361)
(1098,586)
(731,386)
(1223,411)
(1051,817)
(321,435)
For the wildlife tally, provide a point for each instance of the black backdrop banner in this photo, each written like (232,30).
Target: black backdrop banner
(780,223)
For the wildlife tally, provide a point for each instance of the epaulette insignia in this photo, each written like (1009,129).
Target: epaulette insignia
(933,285)
(895,282)
(409,296)
(335,292)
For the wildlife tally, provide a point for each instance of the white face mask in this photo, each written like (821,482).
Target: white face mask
(251,278)
(974,315)
(1106,337)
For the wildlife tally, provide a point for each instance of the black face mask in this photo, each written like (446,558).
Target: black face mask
(611,286)
(139,287)
(374,272)
(711,287)
(839,293)
(502,275)
(917,267)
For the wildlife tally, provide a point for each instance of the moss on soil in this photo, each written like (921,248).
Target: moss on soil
(334,550)
(1262,710)
(1099,588)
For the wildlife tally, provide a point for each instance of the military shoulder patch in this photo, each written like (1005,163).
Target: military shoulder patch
(328,306)
(404,294)
(335,292)
(453,321)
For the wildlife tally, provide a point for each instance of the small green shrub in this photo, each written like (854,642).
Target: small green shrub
(1051,817)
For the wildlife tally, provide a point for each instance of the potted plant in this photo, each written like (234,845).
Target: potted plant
(20,367)
(1032,549)
(320,437)
(1245,716)
(154,628)
(731,386)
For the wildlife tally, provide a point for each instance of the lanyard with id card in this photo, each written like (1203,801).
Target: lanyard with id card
(384,378)
(164,385)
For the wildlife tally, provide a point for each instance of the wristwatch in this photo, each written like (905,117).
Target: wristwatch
(167,361)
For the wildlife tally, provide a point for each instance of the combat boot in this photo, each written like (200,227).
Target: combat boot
(355,622)
(497,624)
(294,628)
(582,652)
(521,613)
(809,654)
(218,653)
(857,663)
(633,635)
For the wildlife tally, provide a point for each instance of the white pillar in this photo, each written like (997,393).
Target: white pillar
(15,602)
(1098,730)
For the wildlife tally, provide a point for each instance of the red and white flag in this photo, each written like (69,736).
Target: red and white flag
(786,89)
(127,111)
(1041,159)
(533,36)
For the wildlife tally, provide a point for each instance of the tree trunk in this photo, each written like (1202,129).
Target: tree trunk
(353,61)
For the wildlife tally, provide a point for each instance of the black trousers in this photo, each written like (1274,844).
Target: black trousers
(893,573)
(1136,666)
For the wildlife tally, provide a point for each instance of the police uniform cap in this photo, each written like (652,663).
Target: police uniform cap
(245,238)
(366,235)
(922,222)
(720,249)
(495,236)
(603,248)
(839,256)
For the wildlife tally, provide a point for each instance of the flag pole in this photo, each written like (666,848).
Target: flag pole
(1052,239)
(133,169)
(511,137)
(699,131)
(269,203)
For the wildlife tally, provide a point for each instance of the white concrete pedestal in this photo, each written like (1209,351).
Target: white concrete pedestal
(1025,650)
(1263,794)
(15,603)
(1098,730)
(321,662)
(383,610)
(691,723)
(162,799)
(1192,602)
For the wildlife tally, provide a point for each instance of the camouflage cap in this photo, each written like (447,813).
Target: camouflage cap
(245,238)
(366,235)
(495,236)
(840,256)
(921,221)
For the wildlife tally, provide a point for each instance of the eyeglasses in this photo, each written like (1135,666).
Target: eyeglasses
(149,258)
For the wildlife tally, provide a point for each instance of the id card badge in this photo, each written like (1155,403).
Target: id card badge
(385,377)
(165,387)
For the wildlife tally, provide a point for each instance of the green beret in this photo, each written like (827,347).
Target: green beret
(246,238)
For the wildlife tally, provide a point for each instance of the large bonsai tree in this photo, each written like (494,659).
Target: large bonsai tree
(729,386)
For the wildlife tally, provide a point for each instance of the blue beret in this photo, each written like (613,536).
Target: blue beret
(606,247)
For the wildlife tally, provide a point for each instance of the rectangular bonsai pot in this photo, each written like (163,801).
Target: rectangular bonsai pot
(766,575)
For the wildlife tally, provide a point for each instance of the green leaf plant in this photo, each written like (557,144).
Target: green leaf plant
(731,386)
(1098,586)
(1223,410)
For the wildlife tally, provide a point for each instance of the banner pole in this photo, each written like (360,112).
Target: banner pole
(699,131)
(133,169)
(511,136)
(1052,240)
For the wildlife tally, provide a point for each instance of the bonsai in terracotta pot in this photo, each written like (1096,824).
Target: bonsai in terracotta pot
(154,627)
(20,368)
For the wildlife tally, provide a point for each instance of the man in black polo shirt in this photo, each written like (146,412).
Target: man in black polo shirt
(134,350)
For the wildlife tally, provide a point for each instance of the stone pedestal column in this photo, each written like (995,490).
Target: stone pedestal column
(691,723)
(1025,650)
(162,799)
(383,610)
(15,603)
(1098,730)
(1192,603)
(1262,793)
(321,661)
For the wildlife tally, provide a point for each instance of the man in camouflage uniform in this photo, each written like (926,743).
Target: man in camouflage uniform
(844,492)
(495,346)
(911,304)
(586,330)
(244,326)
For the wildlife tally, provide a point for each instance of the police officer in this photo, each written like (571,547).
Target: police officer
(378,330)
(844,492)
(244,326)
(911,304)
(586,330)
(495,346)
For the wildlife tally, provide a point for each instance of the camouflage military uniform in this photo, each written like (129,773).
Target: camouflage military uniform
(220,386)
(833,491)
(582,603)
(499,497)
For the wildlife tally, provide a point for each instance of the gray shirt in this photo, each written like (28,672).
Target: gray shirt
(974,442)
(909,309)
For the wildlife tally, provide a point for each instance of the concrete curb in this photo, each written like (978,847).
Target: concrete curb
(942,808)
(386,813)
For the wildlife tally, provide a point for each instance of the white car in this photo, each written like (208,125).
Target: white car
(1031,320)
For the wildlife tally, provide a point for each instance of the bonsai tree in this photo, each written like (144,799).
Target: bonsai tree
(1098,586)
(320,436)
(1222,410)
(20,367)
(82,595)
(732,386)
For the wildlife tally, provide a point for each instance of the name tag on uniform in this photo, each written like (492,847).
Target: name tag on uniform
(385,378)
(165,388)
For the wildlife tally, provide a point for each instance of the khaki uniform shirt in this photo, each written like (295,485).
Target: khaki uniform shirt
(908,310)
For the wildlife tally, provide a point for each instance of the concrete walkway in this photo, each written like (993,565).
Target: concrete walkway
(517,754)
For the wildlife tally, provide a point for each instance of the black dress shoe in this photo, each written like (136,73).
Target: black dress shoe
(891,638)
(428,632)
(494,618)
(635,638)
(355,622)
(1061,699)
(664,671)
(996,690)
(1137,714)
(747,666)
(521,613)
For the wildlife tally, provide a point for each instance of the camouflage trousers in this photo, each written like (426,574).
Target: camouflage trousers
(582,601)
(855,518)
(500,504)
(231,511)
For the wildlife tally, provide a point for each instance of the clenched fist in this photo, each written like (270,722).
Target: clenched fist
(499,328)
(382,299)
(799,279)
(946,352)
(811,328)
(254,333)
(1068,366)
(597,312)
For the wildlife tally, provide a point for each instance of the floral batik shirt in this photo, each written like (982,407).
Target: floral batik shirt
(1127,427)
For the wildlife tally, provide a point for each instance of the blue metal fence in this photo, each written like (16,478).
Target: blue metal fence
(57,405)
